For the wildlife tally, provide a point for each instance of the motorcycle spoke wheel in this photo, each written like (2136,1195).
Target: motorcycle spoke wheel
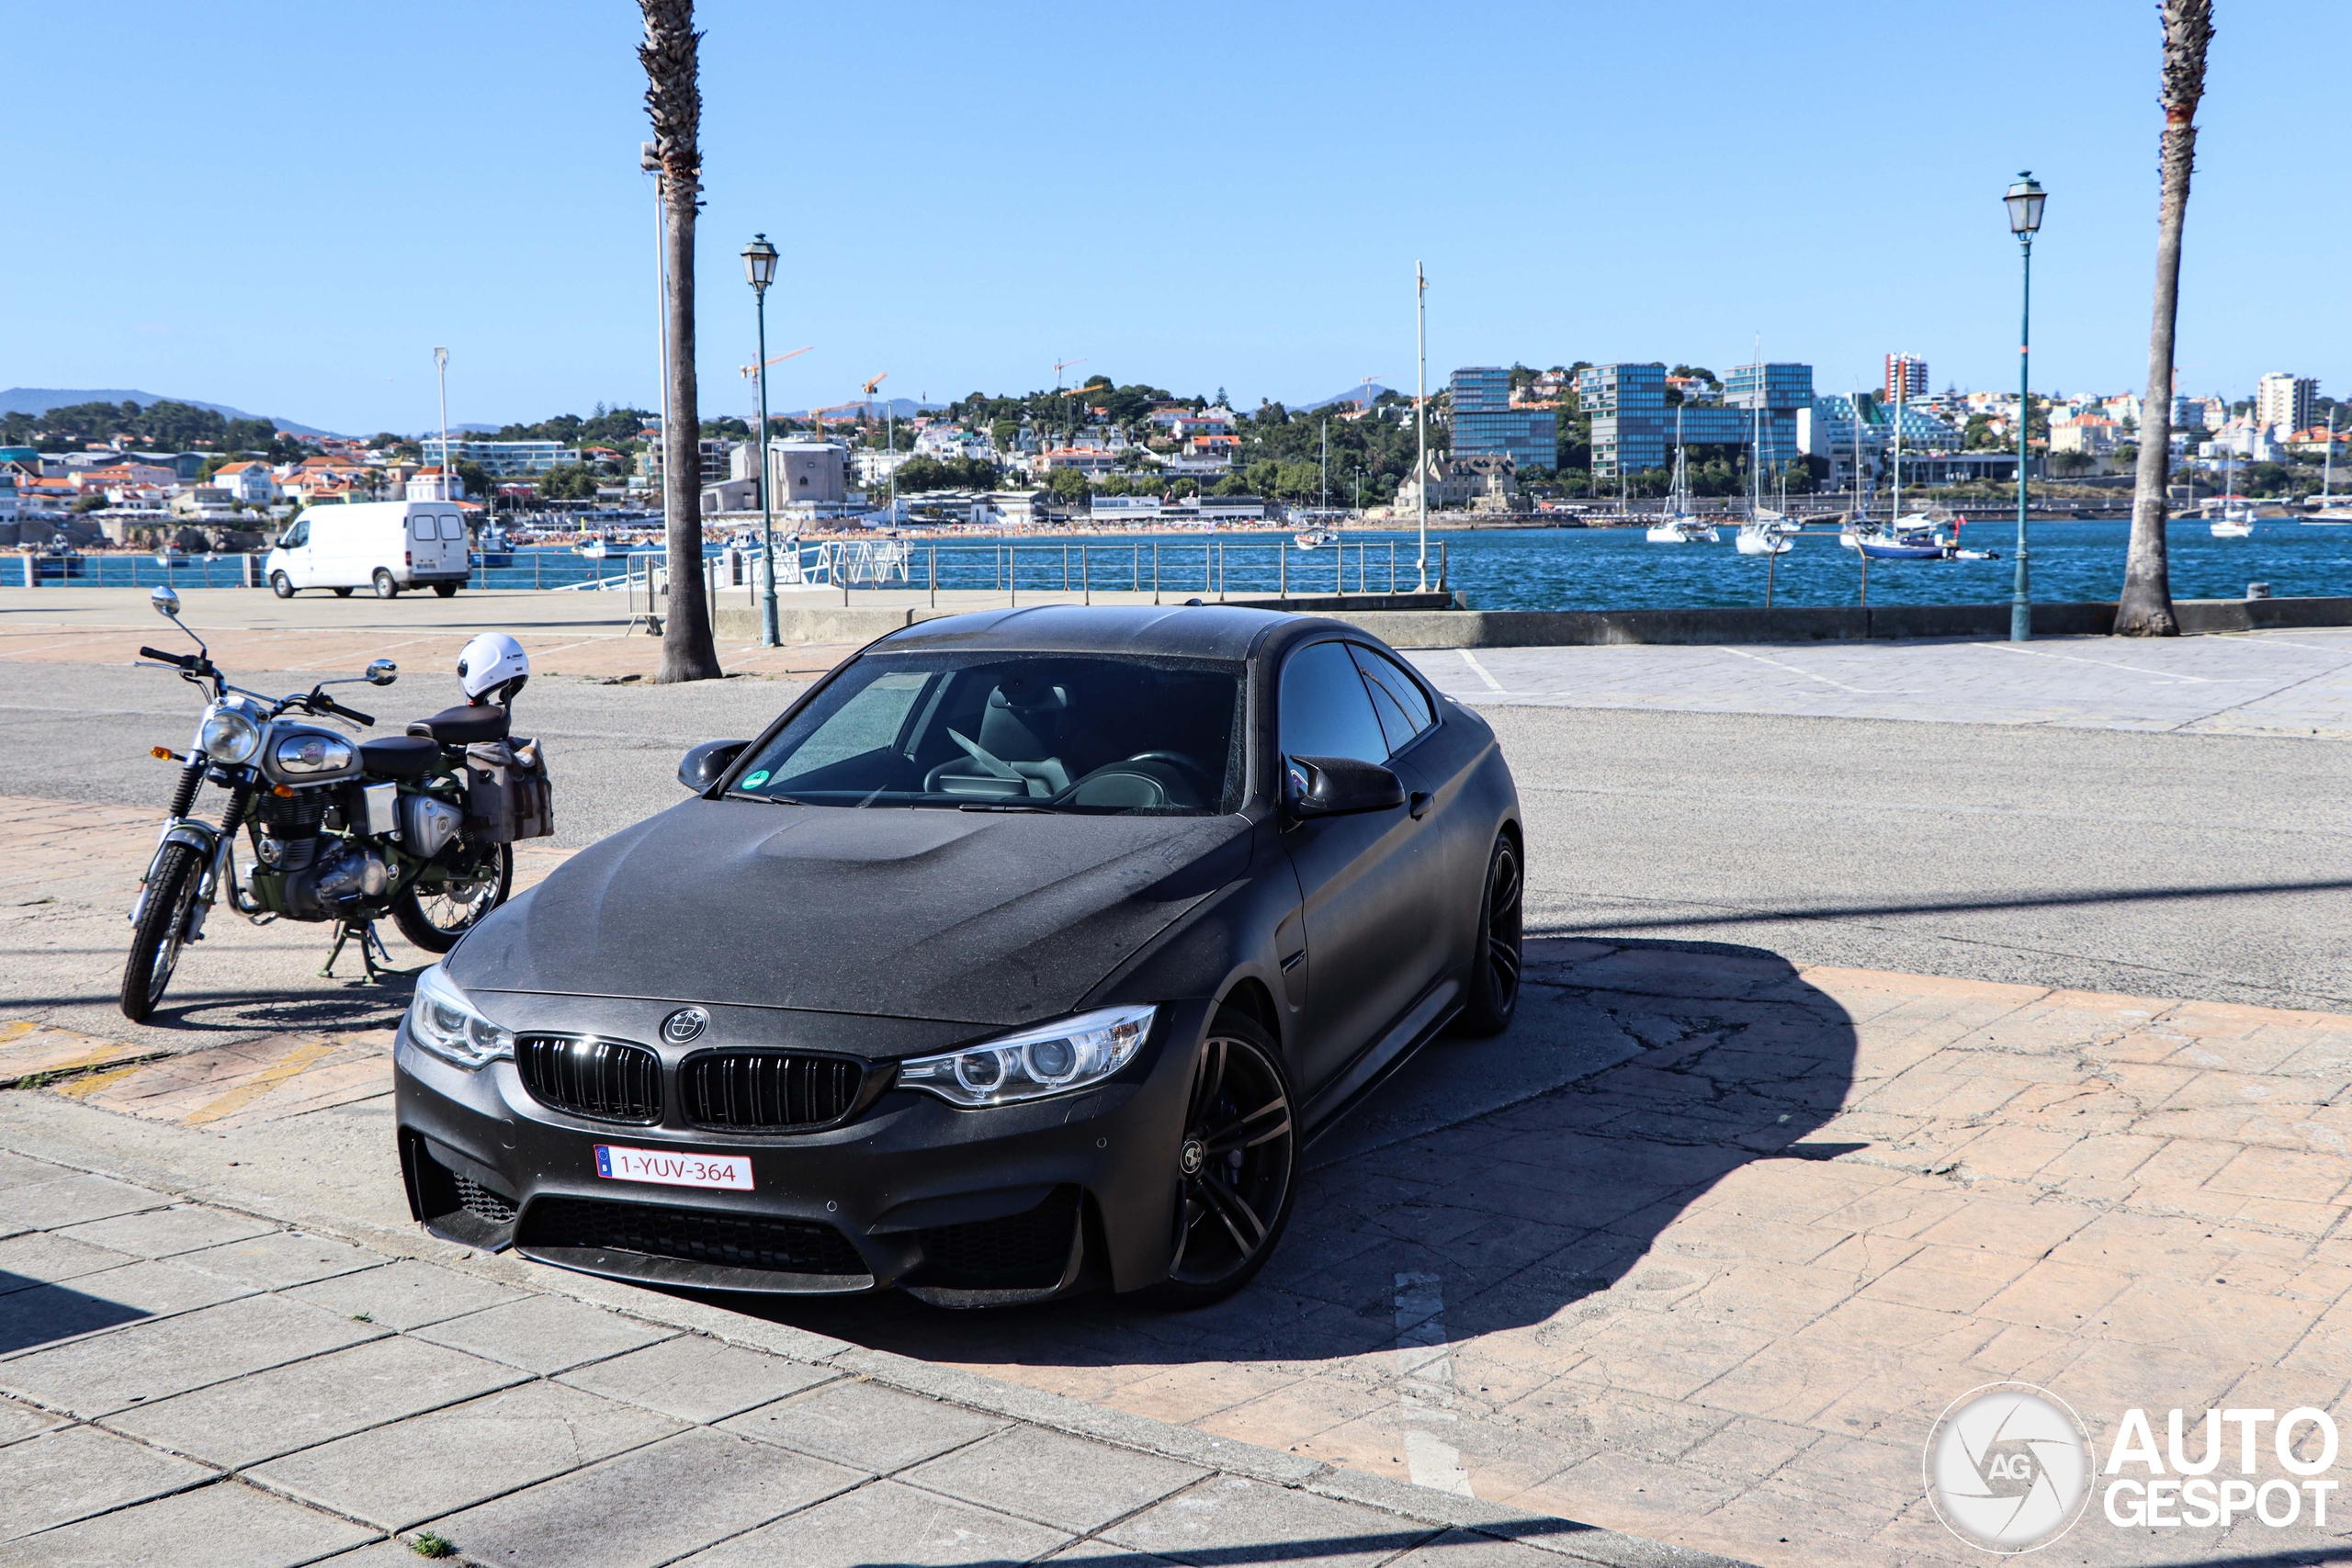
(433,916)
(161,932)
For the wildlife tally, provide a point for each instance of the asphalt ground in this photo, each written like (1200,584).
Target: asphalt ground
(2202,865)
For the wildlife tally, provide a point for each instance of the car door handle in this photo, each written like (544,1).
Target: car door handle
(1419,805)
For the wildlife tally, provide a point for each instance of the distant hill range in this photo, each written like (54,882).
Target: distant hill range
(41,400)
(905,408)
(1363,392)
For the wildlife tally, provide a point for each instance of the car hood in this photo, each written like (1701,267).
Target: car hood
(985,917)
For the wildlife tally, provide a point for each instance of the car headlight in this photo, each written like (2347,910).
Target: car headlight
(1052,1058)
(441,1021)
(228,735)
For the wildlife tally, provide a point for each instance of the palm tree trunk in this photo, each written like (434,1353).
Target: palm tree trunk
(2146,608)
(673,101)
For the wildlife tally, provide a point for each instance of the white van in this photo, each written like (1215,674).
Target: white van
(381,545)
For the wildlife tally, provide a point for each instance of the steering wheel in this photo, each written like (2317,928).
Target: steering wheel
(1174,758)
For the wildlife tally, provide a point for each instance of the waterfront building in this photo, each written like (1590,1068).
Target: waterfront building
(2285,400)
(716,457)
(1485,482)
(1827,430)
(1634,430)
(500,458)
(1906,378)
(1487,423)
(249,483)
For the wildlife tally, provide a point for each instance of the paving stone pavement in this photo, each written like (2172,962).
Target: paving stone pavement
(294,1398)
(2295,682)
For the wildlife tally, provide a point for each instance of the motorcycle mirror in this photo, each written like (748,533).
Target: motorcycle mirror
(382,672)
(166,603)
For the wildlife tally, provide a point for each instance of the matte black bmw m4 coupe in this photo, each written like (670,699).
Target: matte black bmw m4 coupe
(1022,955)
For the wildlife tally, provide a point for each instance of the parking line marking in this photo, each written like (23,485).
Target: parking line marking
(1858,691)
(245,1094)
(1480,670)
(1427,1365)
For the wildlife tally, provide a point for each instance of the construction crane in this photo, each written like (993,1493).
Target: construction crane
(818,414)
(869,387)
(751,374)
(1062,364)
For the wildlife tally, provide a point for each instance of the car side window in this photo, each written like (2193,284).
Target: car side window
(296,536)
(1325,710)
(1404,710)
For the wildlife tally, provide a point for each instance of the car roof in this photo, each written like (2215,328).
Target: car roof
(1199,631)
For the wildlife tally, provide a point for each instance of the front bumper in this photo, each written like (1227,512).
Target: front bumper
(961,1208)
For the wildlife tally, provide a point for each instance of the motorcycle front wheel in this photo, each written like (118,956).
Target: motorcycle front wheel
(435,916)
(162,929)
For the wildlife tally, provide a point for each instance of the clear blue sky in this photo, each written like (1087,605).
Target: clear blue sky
(284,208)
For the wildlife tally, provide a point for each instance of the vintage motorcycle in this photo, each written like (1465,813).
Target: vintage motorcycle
(420,827)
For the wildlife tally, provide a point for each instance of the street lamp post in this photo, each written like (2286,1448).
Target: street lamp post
(448,467)
(2024,200)
(1421,419)
(759,268)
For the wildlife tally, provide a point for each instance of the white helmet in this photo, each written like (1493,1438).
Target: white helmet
(491,662)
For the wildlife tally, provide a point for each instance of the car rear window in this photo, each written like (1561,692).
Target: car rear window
(1063,732)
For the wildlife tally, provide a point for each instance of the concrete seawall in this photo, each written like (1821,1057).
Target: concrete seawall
(1435,627)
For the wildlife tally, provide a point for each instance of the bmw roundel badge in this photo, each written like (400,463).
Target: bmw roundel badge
(685,1026)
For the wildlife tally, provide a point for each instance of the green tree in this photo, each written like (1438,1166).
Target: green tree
(1067,484)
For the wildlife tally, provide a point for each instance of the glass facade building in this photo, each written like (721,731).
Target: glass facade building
(1486,425)
(1634,429)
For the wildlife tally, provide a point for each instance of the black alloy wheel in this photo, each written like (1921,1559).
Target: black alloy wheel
(162,929)
(433,916)
(1235,1168)
(281,585)
(1495,963)
(387,587)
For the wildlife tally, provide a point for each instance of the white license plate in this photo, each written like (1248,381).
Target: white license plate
(671,1168)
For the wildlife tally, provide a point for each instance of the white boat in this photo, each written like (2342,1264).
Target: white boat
(1314,537)
(1763,539)
(594,549)
(2236,519)
(1680,525)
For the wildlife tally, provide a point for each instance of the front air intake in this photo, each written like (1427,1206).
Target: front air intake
(768,1091)
(606,1080)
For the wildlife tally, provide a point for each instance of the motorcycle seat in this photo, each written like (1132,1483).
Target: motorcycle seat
(465,725)
(399,756)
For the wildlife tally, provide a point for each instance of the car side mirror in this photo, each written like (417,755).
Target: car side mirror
(382,672)
(703,764)
(166,603)
(1338,786)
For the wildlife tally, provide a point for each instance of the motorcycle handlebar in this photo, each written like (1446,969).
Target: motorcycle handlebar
(352,714)
(184,661)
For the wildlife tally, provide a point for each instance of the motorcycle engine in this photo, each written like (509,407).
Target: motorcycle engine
(290,824)
(346,876)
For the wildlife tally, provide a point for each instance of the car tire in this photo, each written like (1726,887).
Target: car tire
(1241,1141)
(281,585)
(343,593)
(445,589)
(386,586)
(1497,959)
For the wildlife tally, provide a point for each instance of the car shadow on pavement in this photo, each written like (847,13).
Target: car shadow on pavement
(1638,1078)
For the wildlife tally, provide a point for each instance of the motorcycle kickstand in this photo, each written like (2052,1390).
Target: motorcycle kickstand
(371,948)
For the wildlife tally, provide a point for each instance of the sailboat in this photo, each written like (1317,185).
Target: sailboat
(2329,515)
(1680,525)
(2236,519)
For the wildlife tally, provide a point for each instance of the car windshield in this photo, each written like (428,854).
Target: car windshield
(1021,731)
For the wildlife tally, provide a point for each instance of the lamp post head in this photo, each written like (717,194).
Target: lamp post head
(2024,199)
(759,264)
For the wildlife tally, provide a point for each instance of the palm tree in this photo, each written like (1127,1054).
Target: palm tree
(674,100)
(2146,609)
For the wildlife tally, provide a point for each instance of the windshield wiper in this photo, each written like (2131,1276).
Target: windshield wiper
(1003,806)
(775,799)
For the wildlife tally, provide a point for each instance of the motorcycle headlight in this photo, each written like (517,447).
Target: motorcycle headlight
(443,1022)
(311,754)
(1053,1058)
(228,735)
